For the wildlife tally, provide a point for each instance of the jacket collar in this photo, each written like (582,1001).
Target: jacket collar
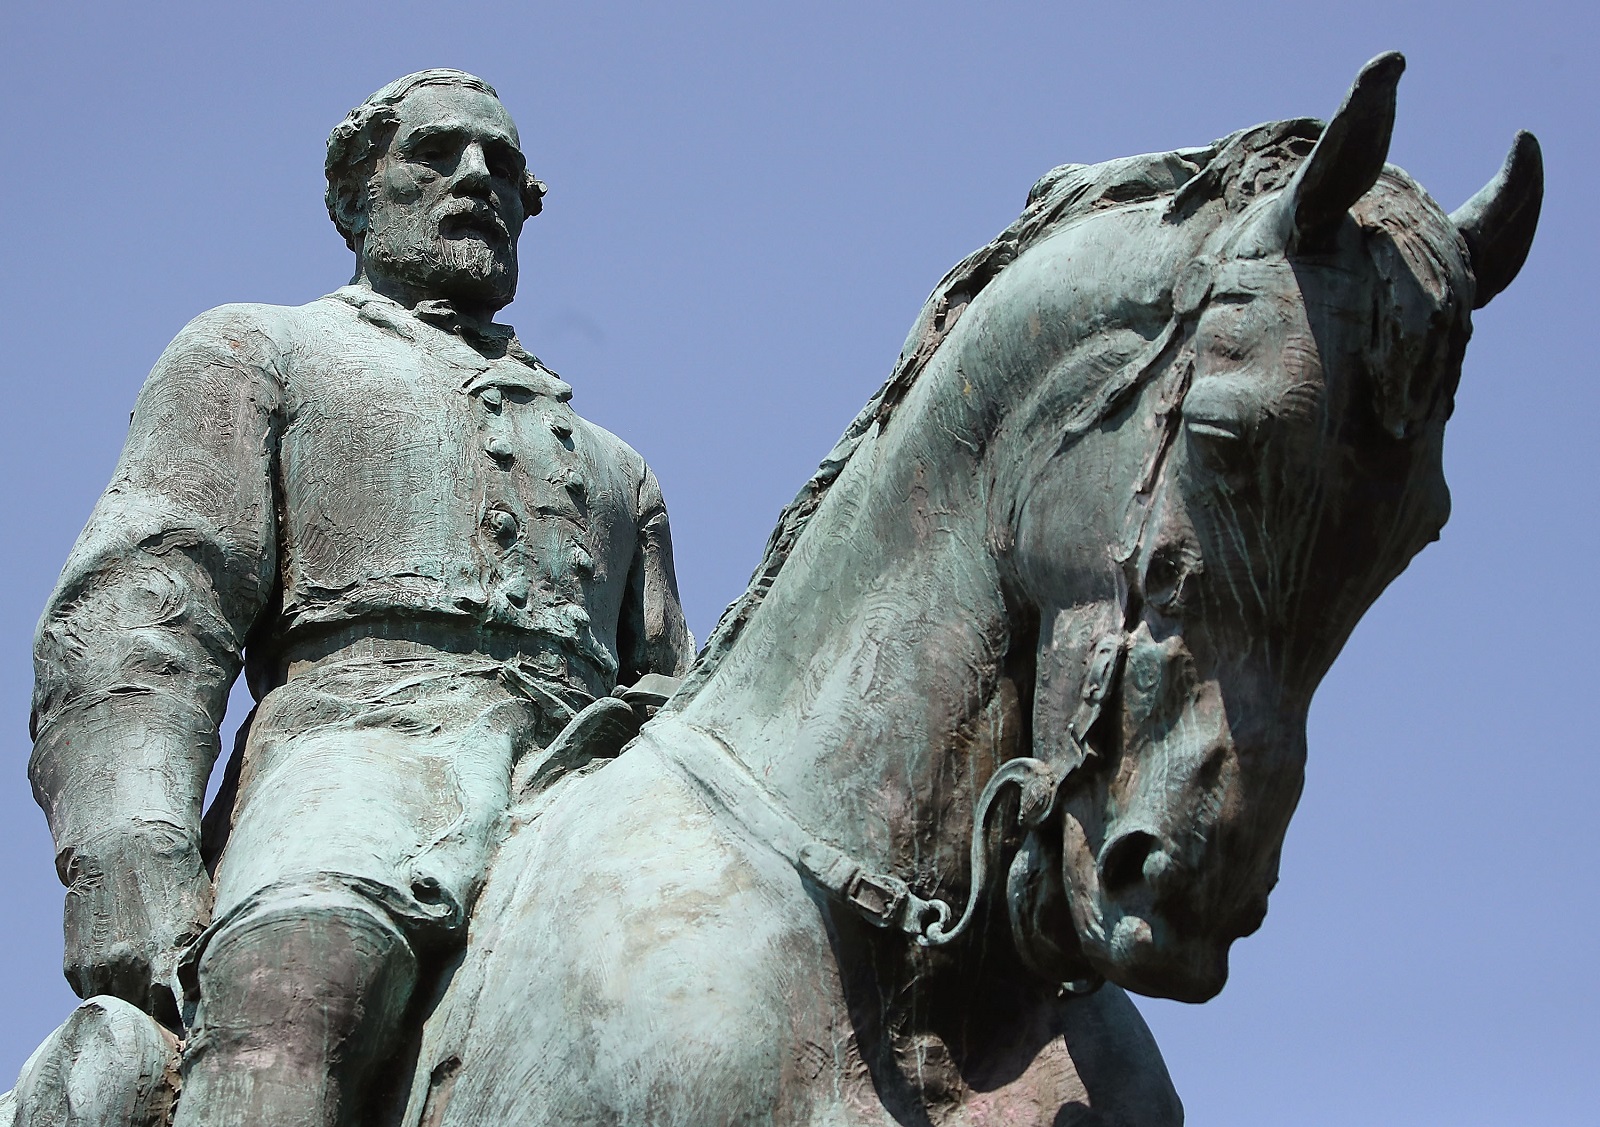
(489,340)
(489,337)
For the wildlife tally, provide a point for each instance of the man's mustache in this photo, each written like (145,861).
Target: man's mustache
(472,215)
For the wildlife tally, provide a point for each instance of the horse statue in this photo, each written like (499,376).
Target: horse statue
(1011,718)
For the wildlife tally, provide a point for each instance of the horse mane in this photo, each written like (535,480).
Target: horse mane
(1235,170)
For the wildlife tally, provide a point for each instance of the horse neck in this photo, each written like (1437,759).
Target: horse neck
(875,653)
(870,691)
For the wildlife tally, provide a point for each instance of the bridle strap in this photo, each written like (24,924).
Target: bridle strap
(882,899)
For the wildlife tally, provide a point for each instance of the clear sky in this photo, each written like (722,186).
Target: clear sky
(748,204)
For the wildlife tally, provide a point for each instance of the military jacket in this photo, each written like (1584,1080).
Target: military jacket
(292,473)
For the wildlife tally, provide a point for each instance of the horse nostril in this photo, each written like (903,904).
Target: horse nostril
(1123,860)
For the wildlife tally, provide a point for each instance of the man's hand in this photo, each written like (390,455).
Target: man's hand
(134,902)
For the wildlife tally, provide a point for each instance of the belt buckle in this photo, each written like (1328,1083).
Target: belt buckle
(878,897)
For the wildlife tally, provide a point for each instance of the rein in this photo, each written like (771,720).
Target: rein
(884,900)
(725,784)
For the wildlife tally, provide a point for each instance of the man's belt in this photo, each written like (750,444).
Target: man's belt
(391,641)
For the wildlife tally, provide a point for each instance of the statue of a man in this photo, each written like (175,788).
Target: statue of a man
(427,563)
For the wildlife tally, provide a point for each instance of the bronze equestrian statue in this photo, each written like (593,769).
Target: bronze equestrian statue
(1010,719)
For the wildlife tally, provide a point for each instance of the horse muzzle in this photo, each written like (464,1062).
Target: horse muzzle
(1138,927)
(1138,908)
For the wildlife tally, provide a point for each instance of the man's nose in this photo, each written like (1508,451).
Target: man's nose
(472,170)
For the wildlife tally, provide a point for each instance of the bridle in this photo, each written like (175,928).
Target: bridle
(1041,782)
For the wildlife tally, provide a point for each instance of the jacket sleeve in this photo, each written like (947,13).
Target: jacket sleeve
(140,642)
(652,635)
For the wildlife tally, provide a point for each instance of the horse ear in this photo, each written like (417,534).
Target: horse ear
(1347,159)
(1498,223)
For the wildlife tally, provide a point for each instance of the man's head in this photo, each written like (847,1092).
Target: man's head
(427,183)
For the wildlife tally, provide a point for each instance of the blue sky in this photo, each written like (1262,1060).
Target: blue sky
(748,204)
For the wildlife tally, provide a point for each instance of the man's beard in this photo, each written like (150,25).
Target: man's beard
(467,267)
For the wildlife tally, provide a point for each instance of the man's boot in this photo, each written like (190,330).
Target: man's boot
(299,1003)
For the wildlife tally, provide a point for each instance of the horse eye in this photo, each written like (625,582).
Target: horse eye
(1220,447)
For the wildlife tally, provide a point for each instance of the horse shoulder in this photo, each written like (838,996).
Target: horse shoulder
(632,960)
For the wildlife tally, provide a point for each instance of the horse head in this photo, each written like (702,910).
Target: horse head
(1282,439)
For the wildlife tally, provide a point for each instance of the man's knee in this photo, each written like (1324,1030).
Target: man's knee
(317,972)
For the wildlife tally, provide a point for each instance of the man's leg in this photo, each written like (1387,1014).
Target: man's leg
(301,997)
(366,811)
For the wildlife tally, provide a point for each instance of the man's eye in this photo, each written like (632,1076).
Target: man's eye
(428,152)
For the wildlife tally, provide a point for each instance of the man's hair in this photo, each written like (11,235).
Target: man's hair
(356,143)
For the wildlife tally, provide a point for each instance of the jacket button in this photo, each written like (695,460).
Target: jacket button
(499,449)
(502,524)
(571,479)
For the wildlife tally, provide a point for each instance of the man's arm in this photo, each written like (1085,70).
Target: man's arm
(138,647)
(652,636)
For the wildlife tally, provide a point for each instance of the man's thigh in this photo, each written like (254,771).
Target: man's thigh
(402,793)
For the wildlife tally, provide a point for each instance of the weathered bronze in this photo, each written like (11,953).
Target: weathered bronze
(1010,719)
